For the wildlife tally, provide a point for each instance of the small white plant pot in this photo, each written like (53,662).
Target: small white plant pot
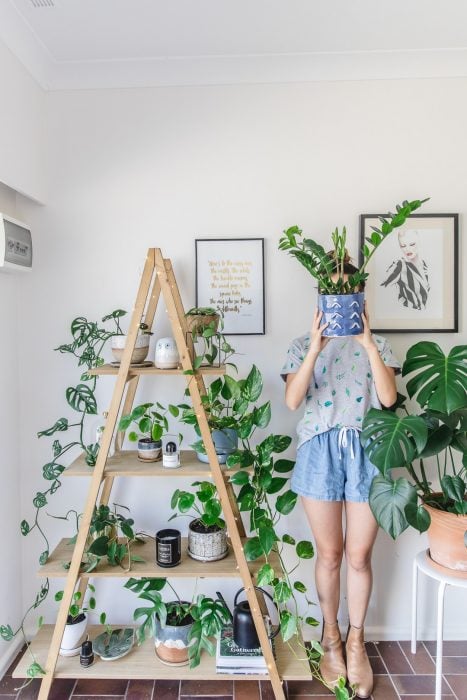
(167,356)
(73,636)
(138,355)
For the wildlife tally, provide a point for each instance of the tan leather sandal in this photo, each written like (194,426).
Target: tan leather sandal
(359,671)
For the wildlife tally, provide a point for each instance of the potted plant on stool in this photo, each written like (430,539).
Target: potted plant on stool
(207,535)
(341,300)
(440,388)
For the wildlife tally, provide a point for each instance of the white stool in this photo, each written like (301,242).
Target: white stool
(442,575)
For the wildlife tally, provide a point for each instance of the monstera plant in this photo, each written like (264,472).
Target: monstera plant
(437,433)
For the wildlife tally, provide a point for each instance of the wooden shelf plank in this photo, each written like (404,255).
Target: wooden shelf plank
(142,663)
(126,463)
(133,371)
(188,567)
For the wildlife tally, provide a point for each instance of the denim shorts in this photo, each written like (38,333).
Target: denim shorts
(332,466)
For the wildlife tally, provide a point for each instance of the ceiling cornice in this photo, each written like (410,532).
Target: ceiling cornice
(222,70)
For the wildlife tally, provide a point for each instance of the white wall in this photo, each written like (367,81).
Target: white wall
(10,439)
(137,168)
(23,149)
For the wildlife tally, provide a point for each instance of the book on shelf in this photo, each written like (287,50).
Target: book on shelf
(231,658)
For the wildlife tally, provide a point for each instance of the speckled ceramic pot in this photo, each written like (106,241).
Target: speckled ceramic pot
(343,312)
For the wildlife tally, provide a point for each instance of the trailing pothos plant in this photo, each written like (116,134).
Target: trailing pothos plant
(208,615)
(86,346)
(392,439)
(323,266)
(265,496)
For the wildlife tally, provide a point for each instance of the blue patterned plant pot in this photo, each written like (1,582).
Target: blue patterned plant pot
(343,312)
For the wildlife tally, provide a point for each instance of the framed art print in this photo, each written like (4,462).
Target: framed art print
(413,282)
(230,277)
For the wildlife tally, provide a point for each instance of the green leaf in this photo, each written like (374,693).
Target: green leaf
(253,385)
(311,621)
(282,592)
(43,557)
(441,381)
(285,503)
(276,484)
(288,539)
(283,466)
(99,546)
(281,443)
(133,437)
(300,587)
(82,399)
(253,549)
(305,550)
(185,501)
(25,527)
(174,410)
(156,432)
(60,425)
(388,500)
(288,625)
(39,500)
(267,537)
(232,386)
(390,441)
(265,575)
(6,633)
(437,441)
(51,471)
(240,478)
(262,415)
(417,516)
(453,487)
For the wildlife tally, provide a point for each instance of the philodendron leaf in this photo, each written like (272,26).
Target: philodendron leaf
(265,575)
(390,441)
(285,503)
(253,549)
(267,537)
(282,592)
(60,425)
(99,546)
(288,624)
(441,382)
(305,550)
(81,398)
(283,466)
(253,385)
(437,441)
(300,587)
(388,501)
(417,516)
(453,487)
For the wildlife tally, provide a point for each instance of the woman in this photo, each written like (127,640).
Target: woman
(409,274)
(340,379)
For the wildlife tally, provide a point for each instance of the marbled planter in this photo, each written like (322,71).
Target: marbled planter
(206,543)
(172,642)
(343,312)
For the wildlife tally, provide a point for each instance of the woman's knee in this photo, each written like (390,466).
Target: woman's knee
(358,559)
(330,558)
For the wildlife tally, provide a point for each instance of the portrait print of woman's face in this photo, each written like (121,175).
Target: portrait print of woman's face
(408,243)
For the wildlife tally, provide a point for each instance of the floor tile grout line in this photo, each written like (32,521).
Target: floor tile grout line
(407,659)
(387,671)
(450,687)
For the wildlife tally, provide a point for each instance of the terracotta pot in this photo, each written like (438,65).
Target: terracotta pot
(446,539)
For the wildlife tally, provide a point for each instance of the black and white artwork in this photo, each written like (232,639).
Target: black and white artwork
(413,283)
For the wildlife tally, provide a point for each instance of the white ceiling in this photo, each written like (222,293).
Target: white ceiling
(126,43)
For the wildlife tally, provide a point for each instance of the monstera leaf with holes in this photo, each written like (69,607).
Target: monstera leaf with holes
(441,381)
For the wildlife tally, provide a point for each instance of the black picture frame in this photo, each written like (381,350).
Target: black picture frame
(427,302)
(241,322)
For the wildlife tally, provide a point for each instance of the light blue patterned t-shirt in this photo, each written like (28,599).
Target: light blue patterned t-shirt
(342,389)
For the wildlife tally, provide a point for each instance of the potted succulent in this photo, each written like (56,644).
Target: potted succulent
(207,535)
(77,622)
(226,404)
(118,342)
(151,425)
(340,295)
(439,386)
(181,629)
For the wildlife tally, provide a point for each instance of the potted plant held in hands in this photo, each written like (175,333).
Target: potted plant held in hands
(340,296)
(181,629)
(207,535)
(151,425)
(439,386)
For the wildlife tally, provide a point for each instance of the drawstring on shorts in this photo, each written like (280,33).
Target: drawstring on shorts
(342,440)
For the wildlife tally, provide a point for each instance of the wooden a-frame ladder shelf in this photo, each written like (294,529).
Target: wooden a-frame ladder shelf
(157,278)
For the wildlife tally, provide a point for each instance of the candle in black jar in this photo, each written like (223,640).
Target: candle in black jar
(168,547)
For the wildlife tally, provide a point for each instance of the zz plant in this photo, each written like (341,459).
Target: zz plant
(88,339)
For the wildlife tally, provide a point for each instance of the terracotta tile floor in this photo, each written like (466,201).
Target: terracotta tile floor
(399,675)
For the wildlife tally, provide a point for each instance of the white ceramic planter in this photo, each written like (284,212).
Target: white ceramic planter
(73,636)
(140,352)
(207,546)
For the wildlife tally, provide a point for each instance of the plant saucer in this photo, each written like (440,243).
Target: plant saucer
(113,646)
(146,363)
(70,652)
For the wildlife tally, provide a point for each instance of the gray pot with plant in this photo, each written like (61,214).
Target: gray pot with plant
(151,420)
(207,534)
(340,296)
(407,441)
(182,630)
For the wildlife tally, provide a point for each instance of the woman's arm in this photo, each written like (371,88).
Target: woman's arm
(298,382)
(383,376)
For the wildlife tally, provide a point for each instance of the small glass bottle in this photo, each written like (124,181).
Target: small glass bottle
(86,657)
(171,455)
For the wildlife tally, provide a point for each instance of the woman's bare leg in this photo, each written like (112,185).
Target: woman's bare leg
(325,518)
(360,536)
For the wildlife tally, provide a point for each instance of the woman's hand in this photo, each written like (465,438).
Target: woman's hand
(365,339)
(317,342)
